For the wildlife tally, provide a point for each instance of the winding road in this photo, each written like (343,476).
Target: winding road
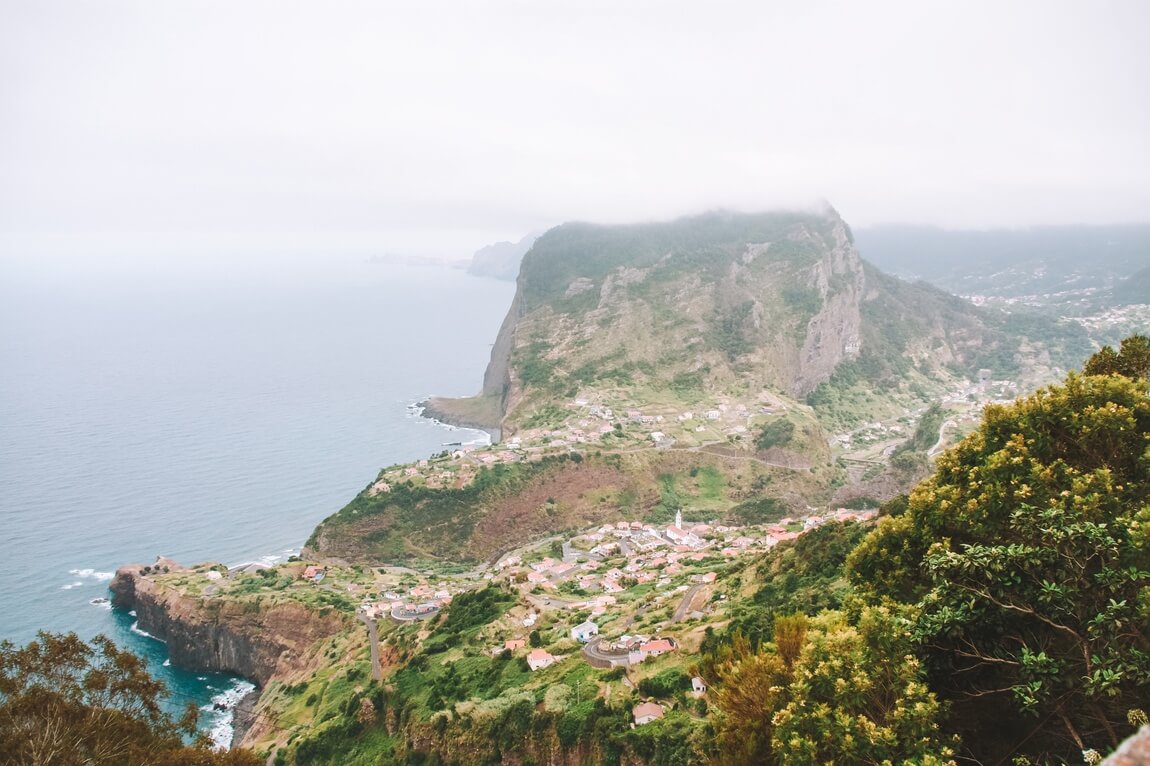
(373,638)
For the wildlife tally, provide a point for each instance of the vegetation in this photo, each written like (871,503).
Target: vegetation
(1027,557)
(777,433)
(828,690)
(63,701)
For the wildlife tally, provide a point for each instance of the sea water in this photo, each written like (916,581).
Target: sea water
(208,414)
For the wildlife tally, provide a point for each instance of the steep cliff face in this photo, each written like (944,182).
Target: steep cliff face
(722,303)
(719,301)
(228,636)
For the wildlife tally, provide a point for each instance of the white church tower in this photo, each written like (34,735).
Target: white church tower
(679,520)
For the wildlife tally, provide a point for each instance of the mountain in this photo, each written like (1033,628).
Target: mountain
(758,349)
(1135,289)
(725,303)
(501,259)
(1010,262)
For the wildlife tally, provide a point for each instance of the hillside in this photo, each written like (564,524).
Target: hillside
(724,303)
(759,347)
(1010,262)
(1134,289)
(992,616)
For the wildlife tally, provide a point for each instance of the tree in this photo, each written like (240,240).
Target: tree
(750,689)
(65,702)
(828,691)
(777,433)
(1132,359)
(1028,554)
(859,696)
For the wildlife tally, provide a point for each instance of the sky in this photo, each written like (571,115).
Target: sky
(431,127)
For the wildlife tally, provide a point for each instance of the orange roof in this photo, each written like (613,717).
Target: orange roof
(648,708)
(658,645)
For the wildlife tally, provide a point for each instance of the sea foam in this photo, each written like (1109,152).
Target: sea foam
(222,721)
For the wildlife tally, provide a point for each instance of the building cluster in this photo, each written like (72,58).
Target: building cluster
(418,602)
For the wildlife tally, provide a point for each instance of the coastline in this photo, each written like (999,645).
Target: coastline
(448,412)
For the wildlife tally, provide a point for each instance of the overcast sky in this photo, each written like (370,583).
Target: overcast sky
(440,126)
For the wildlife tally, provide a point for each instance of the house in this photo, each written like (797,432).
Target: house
(647,712)
(314,573)
(537,659)
(698,686)
(584,631)
(657,647)
(513,644)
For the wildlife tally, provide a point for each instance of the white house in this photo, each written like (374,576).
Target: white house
(584,632)
(698,686)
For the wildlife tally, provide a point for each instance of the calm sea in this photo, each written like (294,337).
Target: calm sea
(208,414)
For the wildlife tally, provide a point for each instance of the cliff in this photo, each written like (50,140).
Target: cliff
(260,642)
(717,303)
(223,635)
(680,341)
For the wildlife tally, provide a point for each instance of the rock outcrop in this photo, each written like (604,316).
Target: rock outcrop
(223,635)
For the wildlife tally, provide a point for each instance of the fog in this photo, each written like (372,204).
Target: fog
(164,128)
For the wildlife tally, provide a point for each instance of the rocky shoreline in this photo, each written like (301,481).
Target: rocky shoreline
(204,632)
(442,410)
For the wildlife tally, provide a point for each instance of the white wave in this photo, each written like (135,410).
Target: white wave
(92,574)
(167,663)
(103,603)
(140,632)
(71,585)
(223,710)
(132,613)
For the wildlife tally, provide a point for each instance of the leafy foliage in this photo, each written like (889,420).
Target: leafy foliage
(63,701)
(827,691)
(1132,359)
(1028,554)
(472,609)
(777,433)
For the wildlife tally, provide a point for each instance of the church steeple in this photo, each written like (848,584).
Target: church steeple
(679,520)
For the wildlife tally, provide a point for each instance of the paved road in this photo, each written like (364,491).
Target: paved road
(592,653)
(681,611)
(373,638)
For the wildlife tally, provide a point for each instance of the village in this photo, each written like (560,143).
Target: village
(613,596)
(594,420)
(589,421)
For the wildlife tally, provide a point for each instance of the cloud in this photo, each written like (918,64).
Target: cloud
(492,118)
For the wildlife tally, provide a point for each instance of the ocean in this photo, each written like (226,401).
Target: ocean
(209,413)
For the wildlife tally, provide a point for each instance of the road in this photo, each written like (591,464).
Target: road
(373,638)
(941,438)
(681,611)
(593,654)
